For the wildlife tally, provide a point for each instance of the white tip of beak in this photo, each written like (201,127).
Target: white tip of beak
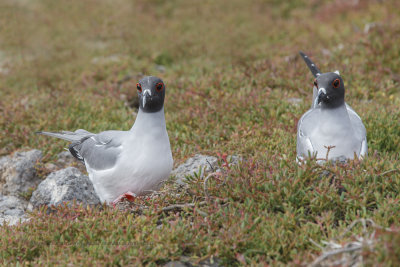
(337,72)
(321,90)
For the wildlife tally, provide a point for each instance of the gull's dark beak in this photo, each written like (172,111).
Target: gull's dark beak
(321,95)
(146,95)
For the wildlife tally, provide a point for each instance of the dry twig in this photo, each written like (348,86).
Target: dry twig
(214,174)
(186,205)
(387,172)
(351,252)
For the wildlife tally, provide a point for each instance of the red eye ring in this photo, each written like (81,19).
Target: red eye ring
(336,83)
(139,87)
(315,83)
(159,87)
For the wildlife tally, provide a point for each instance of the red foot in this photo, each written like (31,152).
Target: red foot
(128,196)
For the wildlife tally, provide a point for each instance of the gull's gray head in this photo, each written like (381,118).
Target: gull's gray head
(330,89)
(151,92)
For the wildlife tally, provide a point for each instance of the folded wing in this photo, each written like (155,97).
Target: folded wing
(99,151)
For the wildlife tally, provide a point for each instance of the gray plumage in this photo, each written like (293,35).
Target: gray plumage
(100,151)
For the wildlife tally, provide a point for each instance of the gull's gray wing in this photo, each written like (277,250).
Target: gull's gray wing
(359,130)
(99,151)
(304,145)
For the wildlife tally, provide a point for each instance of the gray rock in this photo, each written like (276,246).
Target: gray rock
(51,167)
(65,158)
(64,186)
(18,173)
(210,263)
(234,160)
(199,164)
(175,264)
(12,210)
(13,220)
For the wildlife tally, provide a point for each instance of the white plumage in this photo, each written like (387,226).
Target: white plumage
(145,160)
(134,162)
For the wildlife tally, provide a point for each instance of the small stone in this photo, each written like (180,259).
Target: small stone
(234,160)
(18,173)
(201,164)
(175,264)
(12,210)
(214,262)
(64,185)
(197,164)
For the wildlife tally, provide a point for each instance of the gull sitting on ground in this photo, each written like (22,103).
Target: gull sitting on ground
(331,129)
(125,164)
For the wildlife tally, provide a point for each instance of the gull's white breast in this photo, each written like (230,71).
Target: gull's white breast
(145,161)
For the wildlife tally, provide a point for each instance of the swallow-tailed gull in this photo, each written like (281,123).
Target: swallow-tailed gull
(330,123)
(124,164)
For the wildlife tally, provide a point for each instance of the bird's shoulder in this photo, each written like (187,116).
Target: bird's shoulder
(356,122)
(102,150)
(108,138)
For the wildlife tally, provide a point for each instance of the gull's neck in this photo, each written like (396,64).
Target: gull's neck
(338,103)
(146,121)
(337,114)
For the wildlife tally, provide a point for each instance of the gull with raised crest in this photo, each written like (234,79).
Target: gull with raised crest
(331,129)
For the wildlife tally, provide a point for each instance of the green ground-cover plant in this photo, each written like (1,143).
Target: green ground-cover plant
(232,72)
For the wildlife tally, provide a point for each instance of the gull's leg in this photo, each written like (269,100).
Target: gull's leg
(128,196)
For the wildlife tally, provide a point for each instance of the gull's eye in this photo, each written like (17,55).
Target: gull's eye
(315,83)
(139,87)
(159,87)
(336,83)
